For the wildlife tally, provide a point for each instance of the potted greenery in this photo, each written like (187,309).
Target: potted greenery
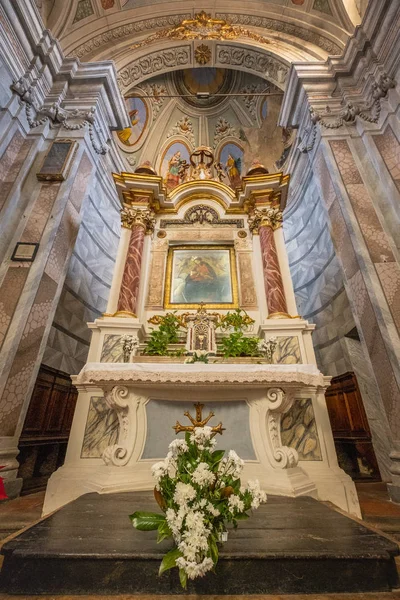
(237,344)
(165,341)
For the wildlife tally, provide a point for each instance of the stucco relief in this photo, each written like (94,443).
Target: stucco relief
(155,296)
(283,27)
(151,63)
(252,60)
(248,295)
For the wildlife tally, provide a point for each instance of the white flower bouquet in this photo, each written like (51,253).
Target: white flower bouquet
(200,492)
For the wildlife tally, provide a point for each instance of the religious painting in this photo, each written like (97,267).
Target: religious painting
(201,274)
(58,160)
(231,160)
(174,164)
(138,117)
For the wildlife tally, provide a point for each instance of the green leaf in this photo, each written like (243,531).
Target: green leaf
(212,544)
(146,521)
(217,455)
(242,516)
(169,560)
(183,578)
(163,532)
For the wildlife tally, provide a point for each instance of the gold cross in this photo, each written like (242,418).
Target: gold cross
(198,422)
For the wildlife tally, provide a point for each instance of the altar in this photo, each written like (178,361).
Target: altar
(202,311)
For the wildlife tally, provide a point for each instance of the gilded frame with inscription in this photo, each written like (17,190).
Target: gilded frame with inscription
(201,274)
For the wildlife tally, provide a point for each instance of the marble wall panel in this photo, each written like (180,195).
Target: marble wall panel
(40,213)
(248,294)
(389,148)
(287,351)
(102,428)
(11,163)
(10,290)
(375,237)
(299,430)
(112,349)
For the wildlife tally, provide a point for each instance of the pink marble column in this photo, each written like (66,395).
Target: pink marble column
(273,283)
(129,293)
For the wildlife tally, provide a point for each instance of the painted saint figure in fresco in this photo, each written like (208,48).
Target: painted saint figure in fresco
(233,168)
(176,170)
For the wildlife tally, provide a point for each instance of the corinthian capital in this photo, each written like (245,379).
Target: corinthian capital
(141,217)
(265,217)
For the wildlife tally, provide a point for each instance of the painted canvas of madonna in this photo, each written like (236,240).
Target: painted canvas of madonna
(197,274)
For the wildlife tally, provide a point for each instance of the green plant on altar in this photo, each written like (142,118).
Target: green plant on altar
(167,333)
(198,356)
(236,343)
(199,491)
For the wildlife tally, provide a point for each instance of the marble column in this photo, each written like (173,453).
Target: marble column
(264,221)
(140,221)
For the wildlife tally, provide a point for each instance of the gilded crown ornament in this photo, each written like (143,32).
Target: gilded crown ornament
(270,216)
(202,27)
(143,217)
(198,421)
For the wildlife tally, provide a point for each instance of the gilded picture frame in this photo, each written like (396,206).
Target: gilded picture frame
(201,274)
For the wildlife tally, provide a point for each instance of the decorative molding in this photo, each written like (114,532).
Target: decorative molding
(256,61)
(348,115)
(285,27)
(137,374)
(117,399)
(126,31)
(369,112)
(278,403)
(154,62)
(265,217)
(250,100)
(141,217)
(203,215)
(222,130)
(72,120)
(183,127)
(203,27)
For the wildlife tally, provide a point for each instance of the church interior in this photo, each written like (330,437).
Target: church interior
(200,215)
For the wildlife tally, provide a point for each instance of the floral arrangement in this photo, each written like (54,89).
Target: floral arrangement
(268,347)
(200,492)
(130,345)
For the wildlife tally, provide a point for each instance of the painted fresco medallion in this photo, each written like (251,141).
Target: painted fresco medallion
(138,116)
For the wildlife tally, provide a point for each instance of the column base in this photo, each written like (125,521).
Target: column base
(394,492)
(13,487)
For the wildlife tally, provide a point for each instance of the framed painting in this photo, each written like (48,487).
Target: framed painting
(58,160)
(201,274)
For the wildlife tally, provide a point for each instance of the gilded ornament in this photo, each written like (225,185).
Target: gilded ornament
(202,54)
(265,217)
(198,421)
(242,233)
(203,27)
(142,217)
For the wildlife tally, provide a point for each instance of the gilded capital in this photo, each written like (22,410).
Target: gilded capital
(265,217)
(142,217)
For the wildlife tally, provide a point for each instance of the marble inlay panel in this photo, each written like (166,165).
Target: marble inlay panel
(156,280)
(389,149)
(287,351)
(102,428)
(11,163)
(10,291)
(112,349)
(299,430)
(40,213)
(25,359)
(248,295)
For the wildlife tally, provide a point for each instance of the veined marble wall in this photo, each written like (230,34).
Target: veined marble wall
(317,278)
(88,281)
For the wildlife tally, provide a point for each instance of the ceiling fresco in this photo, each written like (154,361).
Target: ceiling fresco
(238,124)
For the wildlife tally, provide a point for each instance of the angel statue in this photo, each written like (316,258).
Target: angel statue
(233,168)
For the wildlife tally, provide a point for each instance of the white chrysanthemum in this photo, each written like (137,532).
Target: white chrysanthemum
(184,492)
(178,447)
(235,504)
(201,436)
(194,569)
(212,510)
(258,495)
(202,475)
